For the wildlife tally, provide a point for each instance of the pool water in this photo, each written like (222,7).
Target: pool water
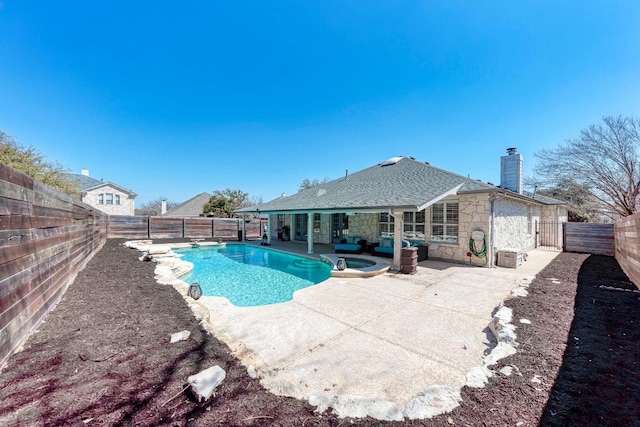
(359,263)
(250,275)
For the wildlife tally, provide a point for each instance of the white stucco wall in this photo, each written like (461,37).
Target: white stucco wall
(513,229)
(126,206)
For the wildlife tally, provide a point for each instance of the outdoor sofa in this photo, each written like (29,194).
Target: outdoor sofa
(350,245)
(385,248)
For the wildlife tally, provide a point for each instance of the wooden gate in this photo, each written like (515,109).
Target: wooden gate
(549,235)
(592,238)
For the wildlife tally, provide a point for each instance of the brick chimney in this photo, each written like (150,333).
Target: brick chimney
(163,207)
(511,171)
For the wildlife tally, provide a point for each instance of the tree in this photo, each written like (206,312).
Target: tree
(603,159)
(223,203)
(154,207)
(584,207)
(310,183)
(30,161)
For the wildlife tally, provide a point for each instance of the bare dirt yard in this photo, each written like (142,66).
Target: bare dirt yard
(102,357)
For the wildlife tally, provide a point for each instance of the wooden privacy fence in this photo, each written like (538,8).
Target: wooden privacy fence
(589,237)
(46,238)
(627,240)
(157,227)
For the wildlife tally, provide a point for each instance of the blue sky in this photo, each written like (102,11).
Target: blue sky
(176,98)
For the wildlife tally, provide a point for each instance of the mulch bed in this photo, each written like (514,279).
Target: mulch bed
(103,357)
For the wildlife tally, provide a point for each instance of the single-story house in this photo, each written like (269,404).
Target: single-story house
(189,208)
(406,200)
(107,197)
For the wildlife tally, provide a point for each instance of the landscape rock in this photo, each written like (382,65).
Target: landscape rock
(501,351)
(204,383)
(478,377)
(180,336)
(506,371)
(358,407)
(501,326)
(431,401)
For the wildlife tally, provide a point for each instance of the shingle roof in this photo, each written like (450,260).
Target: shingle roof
(404,183)
(86,183)
(544,199)
(192,207)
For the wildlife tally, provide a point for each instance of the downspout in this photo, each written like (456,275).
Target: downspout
(491,233)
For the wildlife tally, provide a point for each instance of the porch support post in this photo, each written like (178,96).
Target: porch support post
(310,233)
(269,229)
(397,238)
(244,229)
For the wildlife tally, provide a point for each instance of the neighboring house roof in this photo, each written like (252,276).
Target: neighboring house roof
(192,207)
(398,183)
(87,183)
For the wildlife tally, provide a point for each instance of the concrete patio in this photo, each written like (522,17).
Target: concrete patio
(367,346)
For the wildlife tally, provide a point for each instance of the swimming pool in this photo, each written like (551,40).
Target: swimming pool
(358,262)
(250,275)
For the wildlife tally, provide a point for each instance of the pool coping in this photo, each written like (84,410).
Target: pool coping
(380,266)
(442,397)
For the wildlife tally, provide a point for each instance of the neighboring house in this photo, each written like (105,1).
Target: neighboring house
(190,208)
(108,197)
(413,201)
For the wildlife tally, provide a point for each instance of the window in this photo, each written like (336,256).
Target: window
(316,222)
(385,224)
(101,199)
(117,199)
(280,221)
(414,225)
(109,198)
(444,222)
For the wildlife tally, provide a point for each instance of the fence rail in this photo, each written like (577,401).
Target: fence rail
(155,227)
(593,238)
(46,238)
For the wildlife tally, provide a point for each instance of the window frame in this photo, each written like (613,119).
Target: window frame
(446,219)
(108,199)
(101,198)
(414,222)
(386,224)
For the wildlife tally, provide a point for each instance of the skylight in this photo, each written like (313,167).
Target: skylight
(391,161)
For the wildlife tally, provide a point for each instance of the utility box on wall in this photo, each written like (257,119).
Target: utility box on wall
(510,258)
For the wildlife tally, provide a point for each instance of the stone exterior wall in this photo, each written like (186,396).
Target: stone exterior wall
(474,214)
(126,206)
(514,226)
(364,225)
(324,236)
